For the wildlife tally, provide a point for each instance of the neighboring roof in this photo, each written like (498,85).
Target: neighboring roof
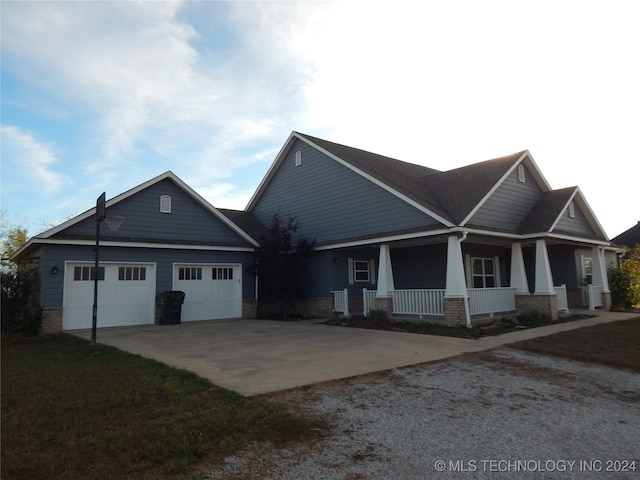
(544,215)
(629,238)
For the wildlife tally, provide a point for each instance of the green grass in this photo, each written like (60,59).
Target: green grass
(71,410)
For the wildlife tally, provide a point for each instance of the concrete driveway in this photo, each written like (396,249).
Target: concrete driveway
(260,356)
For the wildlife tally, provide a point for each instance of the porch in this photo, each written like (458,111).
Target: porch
(430,303)
(456,304)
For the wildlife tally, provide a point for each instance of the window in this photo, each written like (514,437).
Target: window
(87,273)
(190,273)
(165,204)
(572,210)
(298,158)
(222,273)
(362,271)
(483,272)
(132,273)
(521,173)
(587,270)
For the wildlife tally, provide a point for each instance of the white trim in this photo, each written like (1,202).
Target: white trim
(106,243)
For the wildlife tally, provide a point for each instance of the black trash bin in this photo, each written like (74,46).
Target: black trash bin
(170,304)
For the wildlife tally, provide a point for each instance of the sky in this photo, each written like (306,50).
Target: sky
(105,95)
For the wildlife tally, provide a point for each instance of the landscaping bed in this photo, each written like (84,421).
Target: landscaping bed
(377,320)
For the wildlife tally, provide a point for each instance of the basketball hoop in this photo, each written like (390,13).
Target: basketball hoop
(113,222)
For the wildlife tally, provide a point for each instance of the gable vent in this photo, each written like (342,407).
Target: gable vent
(298,158)
(521,173)
(572,210)
(165,204)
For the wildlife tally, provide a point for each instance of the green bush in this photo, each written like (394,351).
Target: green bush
(378,316)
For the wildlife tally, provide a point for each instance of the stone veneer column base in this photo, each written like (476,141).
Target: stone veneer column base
(606,300)
(543,303)
(455,314)
(249,309)
(51,320)
(385,304)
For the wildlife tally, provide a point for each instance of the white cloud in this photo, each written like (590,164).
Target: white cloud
(27,160)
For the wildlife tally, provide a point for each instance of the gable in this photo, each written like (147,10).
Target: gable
(578,225)
(188,222)
(510,203)
(332,202)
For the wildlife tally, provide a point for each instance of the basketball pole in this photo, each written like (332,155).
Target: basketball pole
(100,215)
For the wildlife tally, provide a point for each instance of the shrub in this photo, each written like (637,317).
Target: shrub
(533,317)
(378,316)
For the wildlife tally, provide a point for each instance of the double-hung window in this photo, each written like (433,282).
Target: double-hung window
(483,272)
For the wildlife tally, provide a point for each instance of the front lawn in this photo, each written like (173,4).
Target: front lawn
(71,410)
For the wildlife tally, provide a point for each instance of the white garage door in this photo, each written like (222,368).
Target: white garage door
(126,294)
(211,291)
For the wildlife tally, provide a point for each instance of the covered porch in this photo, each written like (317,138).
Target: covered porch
(479,277)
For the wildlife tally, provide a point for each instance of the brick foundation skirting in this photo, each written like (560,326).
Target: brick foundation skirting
(455,312)
(51,320)
(546,304)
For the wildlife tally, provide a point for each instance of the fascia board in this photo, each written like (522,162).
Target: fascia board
(537,174)
(381,184)
(387,239)
(169,246)
(272,169)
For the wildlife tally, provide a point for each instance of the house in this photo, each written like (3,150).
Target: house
(487,238)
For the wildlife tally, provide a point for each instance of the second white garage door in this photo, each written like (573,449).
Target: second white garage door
(211,291)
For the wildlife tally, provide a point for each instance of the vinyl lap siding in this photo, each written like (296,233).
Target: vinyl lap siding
(188,220)
(509,204)
(331,202)
(575,226)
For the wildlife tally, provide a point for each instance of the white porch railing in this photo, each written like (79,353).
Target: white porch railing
(491,300)
(341,301)
(418,302)
(368,301)
(561,295)
(591,296)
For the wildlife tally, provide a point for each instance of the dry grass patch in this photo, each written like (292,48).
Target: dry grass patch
(615,344)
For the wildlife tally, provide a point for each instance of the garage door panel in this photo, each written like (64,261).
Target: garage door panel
(120,301)
(211,291)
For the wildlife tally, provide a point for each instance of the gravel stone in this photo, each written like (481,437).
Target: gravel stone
(498,414)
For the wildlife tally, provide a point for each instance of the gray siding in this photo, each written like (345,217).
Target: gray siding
(53,285)
(574,226)
(188,221)
(509,204)
(331,202)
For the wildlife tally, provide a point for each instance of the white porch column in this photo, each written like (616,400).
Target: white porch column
(518,272)
(456,284)
(598,269)
(544,280)
(385,273)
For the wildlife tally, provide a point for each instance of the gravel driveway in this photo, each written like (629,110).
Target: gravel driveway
(499,414)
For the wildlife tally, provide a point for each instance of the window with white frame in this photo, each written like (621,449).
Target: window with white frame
(362,271)
(87,273)
(222,273)
(587,270)
(132,273)
(483,272)
(190,273)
